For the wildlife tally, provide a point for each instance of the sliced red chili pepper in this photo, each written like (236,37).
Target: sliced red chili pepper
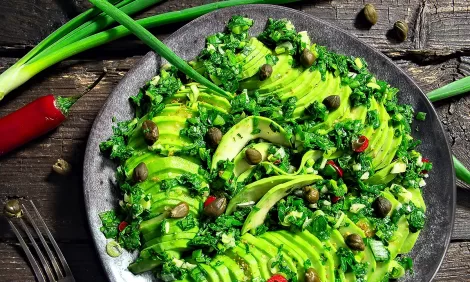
(361,144)
(277,278)
(122,225)
(335,199)
(425,160)
(276,162)
(209,200)
(336,167)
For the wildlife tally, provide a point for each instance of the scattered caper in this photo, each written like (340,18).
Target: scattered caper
(355,242)
(311,276)
(311,194)
(150,130)
(307,58)
(253,156)
(13,209)
(214,135)
(216,207)
(179,211)
(401,30)
(370,14)
(61,167)
(332,102)
(382,206)
(265,71)
(140,172)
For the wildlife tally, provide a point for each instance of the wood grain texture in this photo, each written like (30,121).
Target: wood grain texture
(435,53)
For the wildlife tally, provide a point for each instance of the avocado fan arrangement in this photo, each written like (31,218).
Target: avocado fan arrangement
(287,162)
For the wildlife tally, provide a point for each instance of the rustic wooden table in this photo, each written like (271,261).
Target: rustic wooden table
(436,52)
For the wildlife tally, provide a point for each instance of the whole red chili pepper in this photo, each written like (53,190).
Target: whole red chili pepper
(35,119)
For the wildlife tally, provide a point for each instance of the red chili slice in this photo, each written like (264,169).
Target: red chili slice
(336,167)
(122,225)
(335,199)
(361,144)
(209,200)
(277,278)
(424,160)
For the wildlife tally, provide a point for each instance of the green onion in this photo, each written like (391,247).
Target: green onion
(461,171)
(378,249)
(421,116)
(149,39)
(455,88)
(23,70)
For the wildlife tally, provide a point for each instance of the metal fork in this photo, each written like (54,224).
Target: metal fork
(58,274)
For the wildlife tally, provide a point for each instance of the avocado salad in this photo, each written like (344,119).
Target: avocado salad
(306,171)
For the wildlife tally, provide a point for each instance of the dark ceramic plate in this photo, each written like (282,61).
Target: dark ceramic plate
(187,42)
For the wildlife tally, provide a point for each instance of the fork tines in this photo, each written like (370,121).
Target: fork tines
(59,272)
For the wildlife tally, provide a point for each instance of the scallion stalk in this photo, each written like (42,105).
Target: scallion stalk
(461,171)
(21,71)
(455,88)
(149,39)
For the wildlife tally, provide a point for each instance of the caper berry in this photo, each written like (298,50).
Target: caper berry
(332,102)
(214,135)
(401,30)
(307,58)
(216,207)
(265,71)
(13,209)
(179,211)
(355,242)
(311,276)
(370,14)
(382,206)
(140,172)
(62,167)
(253,156)
(311,194)
(150,130)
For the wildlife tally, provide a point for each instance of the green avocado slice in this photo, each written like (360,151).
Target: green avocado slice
(246,261)
(297,255)
(418,201)
(290,75)
(392,150)
(261,260)
(257,216)
(222,271)
(169,237)
(380,152)
(178,245)
(299,87)
(236,273)
(210,273)
(382,176)
(316,94)
(241,133)
(252,67)
(279,71)
(171,228)
(146,264)
(255,190)
(241,165)
(377,138)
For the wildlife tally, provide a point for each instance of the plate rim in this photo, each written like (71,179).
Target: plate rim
(90,151)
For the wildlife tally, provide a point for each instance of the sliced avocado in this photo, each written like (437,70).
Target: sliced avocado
(178,245)
(301,86)
(261,261)
(257,216)
(343,111)
(210,273)
(255,190)
(222,271)
(291,259)
(169,237)
(311,155)
(163,205)
(418,201)
(279,71)
(392,150)
(377,139)
(270,252)
(241,165)
(382,176)
(241,133)
(236,273)
(291,75)
(252,68)
(315,94)
(152,231)
(369,130)
(250,51)
(380,152)
(297,255)
(246,261)
(146,264)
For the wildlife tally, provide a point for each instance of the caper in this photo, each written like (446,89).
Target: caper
(62,167)
(214,135)
(265,71)
(307,58)
(355,242)
(370,14)
(382,206)
(13,209)
(311,194)
(332,102)
(311,276)
(253,156)
(401,30)
(216,207)
(140,172)
(179,211)
(150,130)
